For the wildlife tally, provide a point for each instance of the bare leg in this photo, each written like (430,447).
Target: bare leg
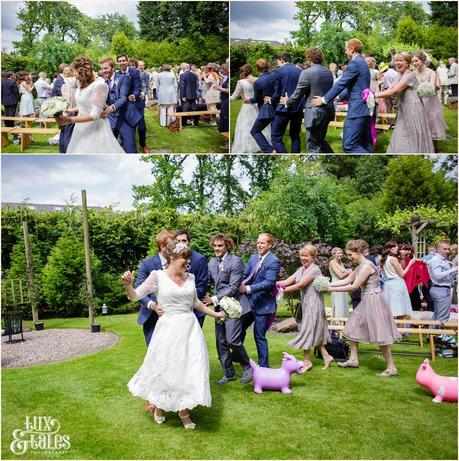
(326,356)
(307,361)
(388,357)
(354,351)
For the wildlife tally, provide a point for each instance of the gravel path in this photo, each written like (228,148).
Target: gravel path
(52,345)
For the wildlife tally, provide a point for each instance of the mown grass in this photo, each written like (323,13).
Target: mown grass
(204,139)
(333,134)
(332,414)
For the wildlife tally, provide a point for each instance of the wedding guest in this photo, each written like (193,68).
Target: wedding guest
(263,88)
(189,94)
(340,301)
(243,142)
(341,69)
(389,79)
(10,97)
(432,105)
(454,262)
(356,134)
(59,80)
(442,73)
(69,86)
(443,278)
(334,70)
(223,125)
(174,375)
(226,271)
(212,94)
(452,76)
(411,133)
(260,277)
(431,250)
(285,82)
(166,91)
(374,74)
(316,80)
(314,327)
(198,267)
(43,88)
(395,290)
(26,105)
(371,321)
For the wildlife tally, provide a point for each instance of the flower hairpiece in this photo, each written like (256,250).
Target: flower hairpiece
(179,247)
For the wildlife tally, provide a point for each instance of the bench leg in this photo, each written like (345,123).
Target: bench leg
(420,339)
(432,347)
(180,123)
(5,140)
(26,141)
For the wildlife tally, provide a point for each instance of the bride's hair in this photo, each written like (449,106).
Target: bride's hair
(84,70)
(245,70)
(176,250)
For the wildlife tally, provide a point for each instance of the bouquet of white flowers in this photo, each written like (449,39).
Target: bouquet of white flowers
(54,107)
(425,89)
(321,283)
(231,306)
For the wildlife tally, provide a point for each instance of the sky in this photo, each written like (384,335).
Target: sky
(92,8)
(52,179)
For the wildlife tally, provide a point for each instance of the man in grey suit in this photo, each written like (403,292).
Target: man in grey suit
(315,80)
(226,273)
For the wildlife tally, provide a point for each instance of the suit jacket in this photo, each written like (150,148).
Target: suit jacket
(356,78)
(314,81)
(198,267)
(261,298)
(188,85)
(57,86)
(10,92)
(166,88)
(227,280)
(285,81)
(117,97)
(144,82)
(134,109)
(263,86)
(146,266)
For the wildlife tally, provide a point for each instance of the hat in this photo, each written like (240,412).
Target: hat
(383,68)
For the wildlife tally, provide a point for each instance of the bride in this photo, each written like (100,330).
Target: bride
(243,141)
(175,372)
(91,133)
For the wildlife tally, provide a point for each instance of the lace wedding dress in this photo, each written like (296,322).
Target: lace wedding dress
(175,372)
(95,137)
(243,142)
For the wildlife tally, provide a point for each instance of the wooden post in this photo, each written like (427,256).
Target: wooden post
(87,257)
(28,254)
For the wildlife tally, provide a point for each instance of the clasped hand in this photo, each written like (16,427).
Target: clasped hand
(316,101)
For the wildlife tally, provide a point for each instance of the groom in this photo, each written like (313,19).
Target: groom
(356,136)
(117,99)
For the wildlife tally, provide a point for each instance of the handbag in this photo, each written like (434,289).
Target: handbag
(266,112)
(337,348)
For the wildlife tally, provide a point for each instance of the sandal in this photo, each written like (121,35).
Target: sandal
(349,364)
(306,368)
(159,417)
(186,421)
(328,363)
(388,373)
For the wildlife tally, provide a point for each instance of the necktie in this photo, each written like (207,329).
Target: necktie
(253,272)
(220,264)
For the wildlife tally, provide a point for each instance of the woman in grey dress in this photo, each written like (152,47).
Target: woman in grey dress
(314,327)
(340,301)
(432,104)
(411,133)
(371,321)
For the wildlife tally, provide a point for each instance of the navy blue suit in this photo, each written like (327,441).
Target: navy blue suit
(200,269)
(117,97)
(285,81)
(263,86)
(189,90)
(10,99)
(140,103)
(356,78)
(147,317)
(262,301)
(57,86)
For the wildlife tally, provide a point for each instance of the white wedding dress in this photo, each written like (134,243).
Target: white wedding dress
(95,137)
(175,372)
(243,142)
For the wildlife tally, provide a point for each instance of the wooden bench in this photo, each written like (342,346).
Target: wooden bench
(379,126)
(179,115)
(27,121)
(25,134)
(449,328)
(5,139)
(225,134)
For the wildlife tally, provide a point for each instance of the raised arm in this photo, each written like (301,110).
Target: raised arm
(302,89)
(301,284)
(333,266)
(396,89)
(398,267)
(356,283)
(150,285)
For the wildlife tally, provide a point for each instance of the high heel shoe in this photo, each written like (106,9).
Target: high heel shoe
(189,424)
(349,364)
(328,363)
(306,368)
(159,419)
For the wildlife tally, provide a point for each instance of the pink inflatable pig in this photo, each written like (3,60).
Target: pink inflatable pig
(443,387)
(275,379)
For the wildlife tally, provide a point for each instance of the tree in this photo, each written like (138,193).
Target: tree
(308,14)
(172,21)
(409,31)
(412,182)
(107,25)
(444,13)
(122,44)
(168,189)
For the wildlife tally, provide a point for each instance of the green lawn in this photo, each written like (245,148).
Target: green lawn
(204,139)
(333,134)
(332,414)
